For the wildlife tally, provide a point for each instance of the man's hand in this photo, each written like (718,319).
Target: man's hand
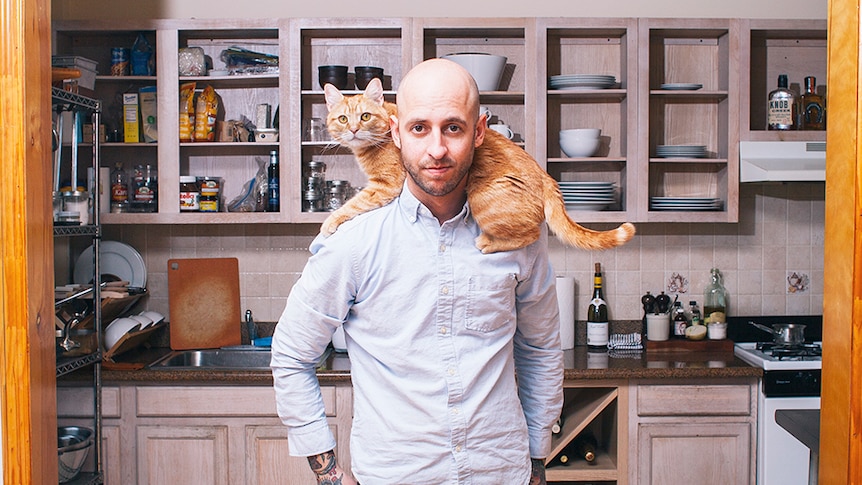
(325,466)
(537,475)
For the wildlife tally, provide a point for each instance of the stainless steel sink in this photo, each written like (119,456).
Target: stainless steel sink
(215,359)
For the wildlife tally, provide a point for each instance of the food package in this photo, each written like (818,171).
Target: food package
(187,111)
(192,61)
(205,115)
(149,114)
(142,57)
(131,118)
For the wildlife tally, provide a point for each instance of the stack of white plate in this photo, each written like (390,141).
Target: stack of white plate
(680,151)
(686,203)
(588,196)
(582,81)
(681,86)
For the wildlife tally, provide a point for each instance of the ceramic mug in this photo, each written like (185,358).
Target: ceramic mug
(503,130)
(484,110)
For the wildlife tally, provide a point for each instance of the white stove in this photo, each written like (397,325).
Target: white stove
(791,380)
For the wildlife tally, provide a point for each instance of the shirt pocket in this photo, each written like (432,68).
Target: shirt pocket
(490,302)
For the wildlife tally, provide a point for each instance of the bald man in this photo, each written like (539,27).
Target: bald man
(436,331)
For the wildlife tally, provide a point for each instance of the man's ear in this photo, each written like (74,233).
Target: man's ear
(393,128)
(481,127)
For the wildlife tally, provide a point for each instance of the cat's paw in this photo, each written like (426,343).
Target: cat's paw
(330,225)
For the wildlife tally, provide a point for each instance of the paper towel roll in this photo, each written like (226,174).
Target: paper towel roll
(566,300)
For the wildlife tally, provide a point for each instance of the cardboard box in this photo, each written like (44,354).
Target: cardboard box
(131,118)
(149,114)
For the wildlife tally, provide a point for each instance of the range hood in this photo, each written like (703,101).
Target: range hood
(782,161)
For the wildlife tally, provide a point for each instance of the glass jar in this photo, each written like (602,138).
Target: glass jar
(714,299)
(144,193)
(209,199)
(190,194)
(77,201)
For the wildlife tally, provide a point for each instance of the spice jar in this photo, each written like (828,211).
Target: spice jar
(313,201)
(210,188)
(190,194)
(77,201)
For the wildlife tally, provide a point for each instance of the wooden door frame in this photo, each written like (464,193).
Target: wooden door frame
(840,438)
(27,360)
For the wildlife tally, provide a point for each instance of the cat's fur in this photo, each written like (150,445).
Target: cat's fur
(509,194)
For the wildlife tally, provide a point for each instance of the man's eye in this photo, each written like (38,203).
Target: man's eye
(417,128)
(342,119)
(453,128)
(365,116)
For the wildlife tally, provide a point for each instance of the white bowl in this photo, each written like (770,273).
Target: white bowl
(579,147)
(156,317)
(486,69)
(145,320)
(581,133)
(119,327)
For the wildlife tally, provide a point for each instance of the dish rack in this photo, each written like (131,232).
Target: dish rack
(67,362)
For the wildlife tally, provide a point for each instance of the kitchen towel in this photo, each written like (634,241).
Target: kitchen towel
(566,300)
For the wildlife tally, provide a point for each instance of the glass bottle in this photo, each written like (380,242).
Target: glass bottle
(680,322)
(715,299)
(144,191)
(694,311)
(812,106)
(119,189)
(272,202)
(597,314)
(781,107)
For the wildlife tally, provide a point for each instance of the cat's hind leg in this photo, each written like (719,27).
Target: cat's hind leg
(487,243)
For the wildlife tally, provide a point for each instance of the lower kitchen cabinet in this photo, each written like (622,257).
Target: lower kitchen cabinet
(693,432)
(207,435)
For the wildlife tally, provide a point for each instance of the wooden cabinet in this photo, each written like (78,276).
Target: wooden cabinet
(735,62)
(202,435)
(688,432)
(591,47)
(599,408)
(677,183)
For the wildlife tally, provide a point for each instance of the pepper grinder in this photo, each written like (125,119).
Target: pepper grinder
(648,302)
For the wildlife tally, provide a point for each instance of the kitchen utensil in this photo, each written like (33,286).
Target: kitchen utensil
(203,296)
(73,445)
(789,334)
(58,155)
(486,69)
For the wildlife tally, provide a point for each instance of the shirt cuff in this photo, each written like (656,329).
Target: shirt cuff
(312,439)
(540,443)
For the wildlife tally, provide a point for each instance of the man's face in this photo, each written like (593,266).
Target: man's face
(437,134)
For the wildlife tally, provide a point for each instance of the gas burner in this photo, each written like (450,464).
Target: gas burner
(790,352)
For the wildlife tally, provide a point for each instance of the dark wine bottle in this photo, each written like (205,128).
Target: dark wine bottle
(584,447)
(272,203)
(597,315)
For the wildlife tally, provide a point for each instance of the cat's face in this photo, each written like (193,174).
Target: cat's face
(357,121)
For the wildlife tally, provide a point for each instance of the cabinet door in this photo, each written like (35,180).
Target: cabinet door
(190,455)
(702,453)
(268,460)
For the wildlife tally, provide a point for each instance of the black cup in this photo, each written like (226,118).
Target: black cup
(364,75)
(335,75)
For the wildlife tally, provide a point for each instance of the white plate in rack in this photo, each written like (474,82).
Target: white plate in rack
(681,86)
(117,260)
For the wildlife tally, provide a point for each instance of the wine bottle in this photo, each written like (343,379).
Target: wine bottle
(585,447)
(813,106)
(781,107)
(597,314)
(272,204)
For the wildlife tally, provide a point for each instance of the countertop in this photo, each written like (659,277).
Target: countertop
(579,365)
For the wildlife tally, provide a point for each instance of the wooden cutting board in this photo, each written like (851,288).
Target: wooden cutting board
(203,295)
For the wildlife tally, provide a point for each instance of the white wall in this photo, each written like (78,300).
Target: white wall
(120,9)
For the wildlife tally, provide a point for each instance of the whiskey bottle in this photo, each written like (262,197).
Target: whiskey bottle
(781,107)
(597,315)
(813,106)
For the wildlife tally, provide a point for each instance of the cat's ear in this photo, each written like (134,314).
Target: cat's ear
(332,95)
(374,91)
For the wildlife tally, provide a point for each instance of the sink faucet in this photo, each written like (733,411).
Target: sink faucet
(249,324)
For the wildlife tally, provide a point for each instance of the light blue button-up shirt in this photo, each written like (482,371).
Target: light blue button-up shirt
(436,332)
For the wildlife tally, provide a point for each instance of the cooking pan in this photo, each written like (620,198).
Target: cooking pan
(789,334)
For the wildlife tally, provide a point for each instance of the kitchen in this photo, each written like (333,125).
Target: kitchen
(792,220)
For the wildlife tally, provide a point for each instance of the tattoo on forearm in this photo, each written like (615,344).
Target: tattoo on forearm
(323,463)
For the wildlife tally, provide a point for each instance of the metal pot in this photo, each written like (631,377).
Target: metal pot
(789,334)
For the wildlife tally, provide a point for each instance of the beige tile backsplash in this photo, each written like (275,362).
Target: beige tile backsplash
(780,231)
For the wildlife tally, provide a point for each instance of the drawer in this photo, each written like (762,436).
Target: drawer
(215,401)
(77,402)
(694,400)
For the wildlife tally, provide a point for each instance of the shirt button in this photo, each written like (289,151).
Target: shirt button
(444,290)
(455,411)
(458,448)
(442,248)
(451,371)
(442,330)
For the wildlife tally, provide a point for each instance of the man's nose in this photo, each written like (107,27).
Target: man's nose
(437,145)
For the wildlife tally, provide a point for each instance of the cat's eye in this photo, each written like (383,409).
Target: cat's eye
(365,116)
(342,119)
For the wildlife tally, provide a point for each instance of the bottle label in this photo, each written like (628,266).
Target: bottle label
(597,302)
(597,334)
(780,112)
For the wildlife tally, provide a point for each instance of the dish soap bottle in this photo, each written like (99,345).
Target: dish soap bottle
(715,299)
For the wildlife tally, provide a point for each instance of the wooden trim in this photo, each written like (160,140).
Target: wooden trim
(27,323)
(842,326)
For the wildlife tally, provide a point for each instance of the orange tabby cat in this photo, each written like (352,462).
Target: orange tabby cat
(509,194)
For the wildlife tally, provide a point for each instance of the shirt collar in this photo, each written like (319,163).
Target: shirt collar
(412,206)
